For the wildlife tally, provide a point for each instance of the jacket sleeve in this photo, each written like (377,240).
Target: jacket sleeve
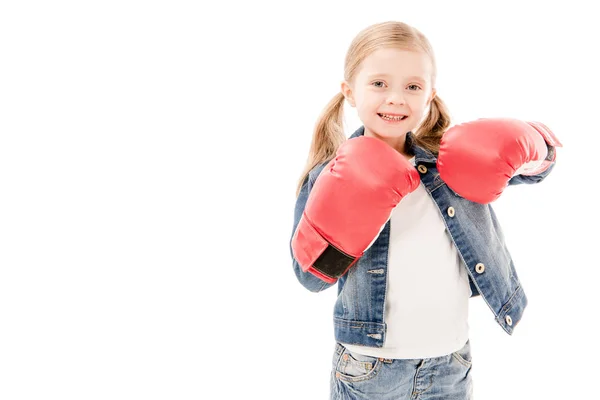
(308,280)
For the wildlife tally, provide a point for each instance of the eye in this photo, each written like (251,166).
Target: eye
(417,87)
(376,82)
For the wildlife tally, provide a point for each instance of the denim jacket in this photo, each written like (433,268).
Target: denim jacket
(358,314)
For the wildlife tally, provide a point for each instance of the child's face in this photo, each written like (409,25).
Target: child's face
(391,81)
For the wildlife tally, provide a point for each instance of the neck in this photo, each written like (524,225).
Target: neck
(396,142)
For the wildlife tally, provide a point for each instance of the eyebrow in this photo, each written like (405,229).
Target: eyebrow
(387,75)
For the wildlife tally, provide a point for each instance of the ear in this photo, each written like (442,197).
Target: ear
(433,93)
(347,92)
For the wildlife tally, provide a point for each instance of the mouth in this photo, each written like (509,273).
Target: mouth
(392,117)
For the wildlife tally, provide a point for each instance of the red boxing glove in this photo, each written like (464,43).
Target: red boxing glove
(352,198)
(478,158)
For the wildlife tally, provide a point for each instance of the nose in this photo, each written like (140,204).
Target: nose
(395,98)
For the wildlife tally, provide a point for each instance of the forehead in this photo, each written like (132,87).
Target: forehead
(396,63)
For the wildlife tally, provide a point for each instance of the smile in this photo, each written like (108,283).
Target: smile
(387,117)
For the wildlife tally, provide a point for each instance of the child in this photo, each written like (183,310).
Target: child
(399,216)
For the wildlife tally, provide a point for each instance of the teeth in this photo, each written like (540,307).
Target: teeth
(392,118)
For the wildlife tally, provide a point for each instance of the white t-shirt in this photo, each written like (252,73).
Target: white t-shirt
(427,299)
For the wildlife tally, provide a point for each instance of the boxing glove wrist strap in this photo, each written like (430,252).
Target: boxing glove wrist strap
(551,153)
(318,256)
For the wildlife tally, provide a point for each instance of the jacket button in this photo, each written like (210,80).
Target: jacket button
(451,211)
(345,357)
(509,320)
(480,268)
(422,169)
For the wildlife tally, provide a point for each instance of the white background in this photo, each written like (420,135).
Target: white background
(149,154)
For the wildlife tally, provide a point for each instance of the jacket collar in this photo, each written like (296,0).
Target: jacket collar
(421,155)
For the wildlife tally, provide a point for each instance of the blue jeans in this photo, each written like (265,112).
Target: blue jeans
(355,376)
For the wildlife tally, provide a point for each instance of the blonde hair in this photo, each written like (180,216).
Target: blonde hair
(328,134)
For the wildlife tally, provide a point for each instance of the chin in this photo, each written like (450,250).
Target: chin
(391,132)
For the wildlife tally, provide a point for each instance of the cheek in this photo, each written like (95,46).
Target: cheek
(420,106)
(369,104)
(367,111)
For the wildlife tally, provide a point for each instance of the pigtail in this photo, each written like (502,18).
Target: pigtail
(328,136)
(431,130)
